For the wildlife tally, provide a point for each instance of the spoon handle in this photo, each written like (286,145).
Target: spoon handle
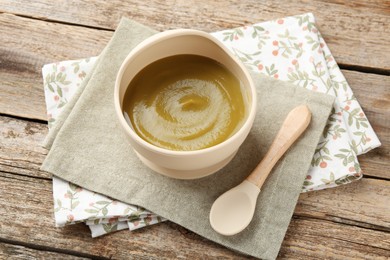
(293,126)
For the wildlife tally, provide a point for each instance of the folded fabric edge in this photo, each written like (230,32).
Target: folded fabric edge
(104,229)
(49,139)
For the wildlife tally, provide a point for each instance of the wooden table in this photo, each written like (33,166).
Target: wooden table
(351,221)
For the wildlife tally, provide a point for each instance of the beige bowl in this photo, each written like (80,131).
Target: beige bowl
(183,164)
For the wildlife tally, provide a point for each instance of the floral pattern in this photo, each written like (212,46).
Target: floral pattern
(295,51)
(289,49)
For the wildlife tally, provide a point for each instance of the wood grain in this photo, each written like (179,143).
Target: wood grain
(351,204)
(26,216)
(10,251)
(35,43)
(20,149)
(316,239)
(356,32)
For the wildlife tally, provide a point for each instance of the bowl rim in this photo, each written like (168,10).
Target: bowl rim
(161,36)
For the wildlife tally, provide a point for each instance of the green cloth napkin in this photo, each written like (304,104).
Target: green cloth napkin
(90,149)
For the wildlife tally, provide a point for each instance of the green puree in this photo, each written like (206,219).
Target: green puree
(185,102)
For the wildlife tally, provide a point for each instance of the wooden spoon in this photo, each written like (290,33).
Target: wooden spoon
(233,211)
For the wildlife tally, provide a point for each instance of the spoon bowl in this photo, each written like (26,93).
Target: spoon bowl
(234,210)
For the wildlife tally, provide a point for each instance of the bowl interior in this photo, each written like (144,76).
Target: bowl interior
(196,43)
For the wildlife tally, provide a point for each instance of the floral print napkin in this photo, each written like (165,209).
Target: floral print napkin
(289,49)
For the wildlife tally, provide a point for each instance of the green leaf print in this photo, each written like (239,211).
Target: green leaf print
(307,183)
(72,186)
(110,227)
(50,87)
(92,211)
(233,34)
(59,91)
(331,179)
(102,202)
(76,67)
(104,211)
(347,179)
(74,204)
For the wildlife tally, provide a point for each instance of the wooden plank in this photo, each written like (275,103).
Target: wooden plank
(356,32)
(351,204)
(35,43)
(20,149)
(27,215)
(10,251)
(316,239)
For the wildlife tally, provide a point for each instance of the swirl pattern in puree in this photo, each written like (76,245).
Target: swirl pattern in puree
(185,102)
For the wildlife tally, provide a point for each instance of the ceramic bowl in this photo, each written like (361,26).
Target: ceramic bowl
(183,164)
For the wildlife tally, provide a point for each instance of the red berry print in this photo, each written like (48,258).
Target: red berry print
(56,98)
(346,108)
(294,62)
(351,169)
(148,219)
(275,43)
(276,76)
(275,53)
(260,66)
(323,164)
(280,21)
(112,220)
(236,37)
(70,217)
